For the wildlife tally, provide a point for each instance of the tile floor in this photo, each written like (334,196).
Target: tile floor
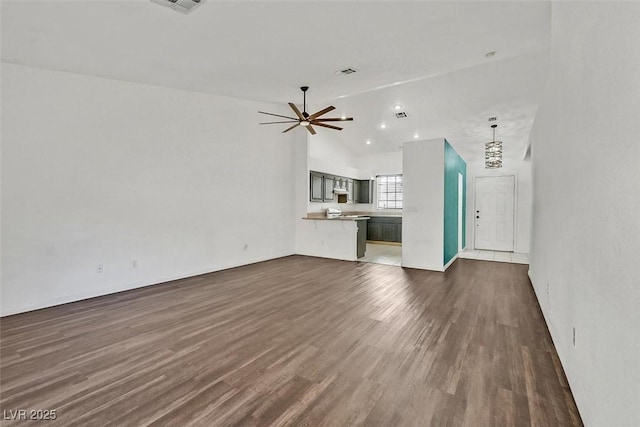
(512,257)
(392,255)
(383,254)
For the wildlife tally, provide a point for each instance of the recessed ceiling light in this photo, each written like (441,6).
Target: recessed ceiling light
(415,135)
(397,107)
(382,126)
(490,54)
(368,142)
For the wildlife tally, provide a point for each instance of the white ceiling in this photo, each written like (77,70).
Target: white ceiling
(428,56)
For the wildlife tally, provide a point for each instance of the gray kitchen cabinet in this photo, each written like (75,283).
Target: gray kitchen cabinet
(316,192)
(322,186)
(356,191)
(365,194)
(329,184)
(389,232)
(374,231)
(384,229)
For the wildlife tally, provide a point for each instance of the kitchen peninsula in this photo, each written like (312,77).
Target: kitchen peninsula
(350,233)
(344,235)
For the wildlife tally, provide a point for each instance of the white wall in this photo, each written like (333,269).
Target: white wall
(423,198)
(586,204)
(104,172)
(380,163)
(329,146)
(522,219)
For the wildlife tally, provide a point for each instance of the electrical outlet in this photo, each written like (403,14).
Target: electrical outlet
(99,268)
(574,336)
(548,288)
(134,263)
(246,246)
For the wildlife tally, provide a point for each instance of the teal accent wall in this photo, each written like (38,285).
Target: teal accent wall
(453,164)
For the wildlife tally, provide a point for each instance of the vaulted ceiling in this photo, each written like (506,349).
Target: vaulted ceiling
(427,56)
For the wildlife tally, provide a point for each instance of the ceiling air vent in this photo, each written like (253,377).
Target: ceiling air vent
(401,115)
(183,6)
(348,71)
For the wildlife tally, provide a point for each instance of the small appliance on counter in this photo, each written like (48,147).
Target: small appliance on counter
(333,212)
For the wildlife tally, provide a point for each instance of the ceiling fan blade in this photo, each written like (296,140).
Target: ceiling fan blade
(277,115)
(335,119)
(295,110)
(270,123)
(311,130)
(326,126)
(288,129)
(321,112)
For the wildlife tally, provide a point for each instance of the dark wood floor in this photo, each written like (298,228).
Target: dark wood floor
(295,341)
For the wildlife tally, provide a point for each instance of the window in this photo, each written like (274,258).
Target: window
(389,191)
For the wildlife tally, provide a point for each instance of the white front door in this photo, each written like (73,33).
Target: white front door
(494,213)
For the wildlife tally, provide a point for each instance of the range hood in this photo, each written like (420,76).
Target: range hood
(339,190)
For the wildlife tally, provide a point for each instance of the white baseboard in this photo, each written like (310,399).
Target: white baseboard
(455,257)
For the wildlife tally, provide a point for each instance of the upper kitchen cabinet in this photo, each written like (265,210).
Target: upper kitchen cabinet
(316,191)
(350,190)
(322,188)
(364,193)
(356,191)
(329,185)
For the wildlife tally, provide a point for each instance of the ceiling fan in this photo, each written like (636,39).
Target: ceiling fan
(304,119)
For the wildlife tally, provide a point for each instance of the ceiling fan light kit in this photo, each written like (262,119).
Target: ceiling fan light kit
(493,152)
(306,120)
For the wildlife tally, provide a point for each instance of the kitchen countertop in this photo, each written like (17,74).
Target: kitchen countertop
(358,215)
(386,215)
(323,217)
(374,213)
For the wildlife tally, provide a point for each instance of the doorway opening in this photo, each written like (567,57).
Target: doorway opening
(384,240)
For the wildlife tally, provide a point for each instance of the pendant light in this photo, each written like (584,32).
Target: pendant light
(493,152)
